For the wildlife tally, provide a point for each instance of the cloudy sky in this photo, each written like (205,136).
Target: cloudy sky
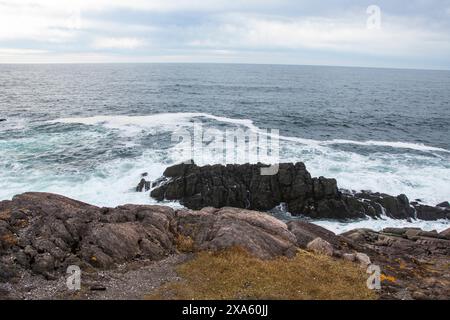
(406,34)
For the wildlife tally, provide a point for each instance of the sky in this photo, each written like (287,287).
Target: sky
(375,33)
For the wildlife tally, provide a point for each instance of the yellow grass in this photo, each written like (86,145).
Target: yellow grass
(235,274)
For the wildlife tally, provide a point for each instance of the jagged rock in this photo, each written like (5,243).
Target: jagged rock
(407,257)
(215,229)
(243,186)
(59,231)
(321,246)
(42,234)
(143,185)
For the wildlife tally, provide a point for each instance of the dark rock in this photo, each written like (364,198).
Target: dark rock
(143,185)
(444,204)
(7,271)
(306,232)
(243,186)
(425,212)
(97,288)
(43,263)
(1,120)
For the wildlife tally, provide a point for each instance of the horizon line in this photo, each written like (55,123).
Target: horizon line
(226,63)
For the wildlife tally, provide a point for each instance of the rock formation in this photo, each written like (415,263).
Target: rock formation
(45,233)
(243,186)
(42,234)
(413,262)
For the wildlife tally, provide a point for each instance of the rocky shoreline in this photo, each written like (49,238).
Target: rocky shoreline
(125,250)
(243,186)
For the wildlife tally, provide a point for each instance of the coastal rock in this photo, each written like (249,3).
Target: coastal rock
(143,185)
(44,233)
(55,231)
(41,234)
(446,233)
(425,212)
(320,246)
(216,229)
(363,259)
(409,259)
(243,186)
(444,204)
(306,232)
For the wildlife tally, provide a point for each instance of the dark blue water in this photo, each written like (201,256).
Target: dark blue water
(380,129)
(310,102)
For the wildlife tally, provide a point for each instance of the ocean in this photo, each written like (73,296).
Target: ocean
(88,131)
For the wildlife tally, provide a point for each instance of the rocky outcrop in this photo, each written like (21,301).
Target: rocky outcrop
(413,262)
(243,186)
(45,233)
(216,229)
(42,234)
(306,232)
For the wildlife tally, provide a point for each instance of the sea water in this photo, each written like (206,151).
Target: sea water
(89,131)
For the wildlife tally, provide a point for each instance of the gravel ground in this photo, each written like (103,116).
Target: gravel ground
(131,281)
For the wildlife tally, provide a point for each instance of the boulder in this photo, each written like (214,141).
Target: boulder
(306,232)
(363,259)
(321,246)
(216,229)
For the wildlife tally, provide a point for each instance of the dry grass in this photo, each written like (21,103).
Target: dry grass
(184,243)
(235,274)
(5,214)
(9,239)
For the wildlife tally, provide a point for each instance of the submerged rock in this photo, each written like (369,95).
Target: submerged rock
(143,185)
(243,186)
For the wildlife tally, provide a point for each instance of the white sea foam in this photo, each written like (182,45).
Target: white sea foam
(168,121)
(422,176)
(377,224)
